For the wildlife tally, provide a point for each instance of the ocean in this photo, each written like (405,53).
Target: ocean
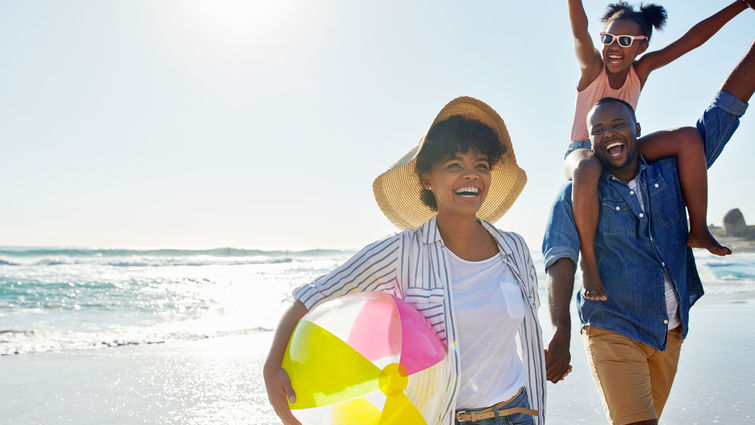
(70,299)
(58,300)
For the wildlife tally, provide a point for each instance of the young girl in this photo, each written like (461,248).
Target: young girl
(616,72)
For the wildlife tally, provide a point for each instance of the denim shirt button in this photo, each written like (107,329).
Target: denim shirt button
(663,264)
(642,215)
(631,192)
(618,208)
(656,185)
(665,322)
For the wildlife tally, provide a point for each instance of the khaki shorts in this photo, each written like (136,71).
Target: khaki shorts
(633,379)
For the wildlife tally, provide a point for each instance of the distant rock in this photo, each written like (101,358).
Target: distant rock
(735,233)
(734,223)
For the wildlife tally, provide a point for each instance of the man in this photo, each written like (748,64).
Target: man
(633,338)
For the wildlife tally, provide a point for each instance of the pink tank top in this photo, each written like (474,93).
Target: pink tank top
(598,89)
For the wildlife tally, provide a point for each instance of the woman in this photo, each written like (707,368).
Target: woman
(475,284)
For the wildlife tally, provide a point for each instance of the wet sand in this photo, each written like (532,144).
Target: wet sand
(218,380)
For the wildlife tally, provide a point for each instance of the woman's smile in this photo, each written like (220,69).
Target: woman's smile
(460,182)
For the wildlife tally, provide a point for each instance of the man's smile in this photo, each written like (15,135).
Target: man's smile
(615,149)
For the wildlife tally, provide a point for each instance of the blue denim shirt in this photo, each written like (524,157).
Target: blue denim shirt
(635,247)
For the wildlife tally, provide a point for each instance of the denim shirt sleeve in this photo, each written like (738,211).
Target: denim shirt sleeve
(561,239)
(719,122)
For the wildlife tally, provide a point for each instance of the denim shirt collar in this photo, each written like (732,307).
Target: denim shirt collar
(641,166)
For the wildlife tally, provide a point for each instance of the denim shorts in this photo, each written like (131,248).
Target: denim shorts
(514,419)
(582,144)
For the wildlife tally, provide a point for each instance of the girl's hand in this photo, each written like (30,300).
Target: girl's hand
(280,392)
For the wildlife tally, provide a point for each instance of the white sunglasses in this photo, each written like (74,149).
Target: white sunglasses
(624,40)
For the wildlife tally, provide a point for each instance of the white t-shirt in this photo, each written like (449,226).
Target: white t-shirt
(672,304)
(489,310)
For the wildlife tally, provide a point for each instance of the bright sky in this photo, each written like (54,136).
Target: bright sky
(261,124)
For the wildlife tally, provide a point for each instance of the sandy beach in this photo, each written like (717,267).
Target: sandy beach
(218,380)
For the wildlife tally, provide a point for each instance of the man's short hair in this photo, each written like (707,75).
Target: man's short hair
(615,100)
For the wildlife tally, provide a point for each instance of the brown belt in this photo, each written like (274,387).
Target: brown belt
(478,415)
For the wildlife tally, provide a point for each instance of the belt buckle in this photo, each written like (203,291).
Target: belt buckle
(458,415)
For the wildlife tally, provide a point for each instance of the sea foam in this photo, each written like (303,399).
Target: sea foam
(70,299)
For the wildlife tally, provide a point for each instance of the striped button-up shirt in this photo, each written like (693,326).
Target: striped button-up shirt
(413,265)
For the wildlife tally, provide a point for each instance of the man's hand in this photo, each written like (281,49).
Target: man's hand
(557,357)
(280,392)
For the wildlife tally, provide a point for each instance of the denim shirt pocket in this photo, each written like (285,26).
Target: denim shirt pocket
(616,218)
(663,203)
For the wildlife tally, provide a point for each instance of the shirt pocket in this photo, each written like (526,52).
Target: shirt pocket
(415,295)
(512,296)
(616,218)
(666,208)
(429,303)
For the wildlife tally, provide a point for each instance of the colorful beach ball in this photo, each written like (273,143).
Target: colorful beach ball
(366,358)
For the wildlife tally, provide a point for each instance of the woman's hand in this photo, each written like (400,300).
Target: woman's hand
(277,382)
(280,393)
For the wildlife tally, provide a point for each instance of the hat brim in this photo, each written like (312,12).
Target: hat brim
(398,190)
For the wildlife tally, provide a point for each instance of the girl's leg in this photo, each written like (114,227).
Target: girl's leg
(693,177)
(585,170)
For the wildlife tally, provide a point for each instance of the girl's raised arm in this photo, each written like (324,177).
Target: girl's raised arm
(692,39)
(588,57)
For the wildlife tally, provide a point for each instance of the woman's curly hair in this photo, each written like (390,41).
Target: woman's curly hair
(455,134)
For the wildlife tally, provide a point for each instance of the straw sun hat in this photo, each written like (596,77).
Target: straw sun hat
(398,190)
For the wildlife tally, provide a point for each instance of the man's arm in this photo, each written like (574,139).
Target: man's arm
(560,276)
(740,82)
(721,119)
(714,128)
(560,253)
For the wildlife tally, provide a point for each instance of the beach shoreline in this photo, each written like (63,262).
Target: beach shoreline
(218,380)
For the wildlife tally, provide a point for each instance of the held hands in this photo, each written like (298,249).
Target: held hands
(280,392)
(557,357)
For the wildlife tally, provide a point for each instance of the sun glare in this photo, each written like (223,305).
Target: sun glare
(238,18)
